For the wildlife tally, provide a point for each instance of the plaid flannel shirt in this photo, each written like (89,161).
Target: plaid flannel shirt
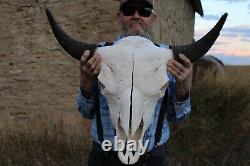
(178,111)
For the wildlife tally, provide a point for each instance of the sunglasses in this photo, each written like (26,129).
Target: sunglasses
(128,10)
(144,12)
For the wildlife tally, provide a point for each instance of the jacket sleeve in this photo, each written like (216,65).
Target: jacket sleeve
(177,110)
(85,106)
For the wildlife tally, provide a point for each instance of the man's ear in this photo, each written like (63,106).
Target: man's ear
(118,16)
(154,17)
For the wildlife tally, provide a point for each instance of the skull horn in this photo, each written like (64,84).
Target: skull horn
(73,47)
(197,49)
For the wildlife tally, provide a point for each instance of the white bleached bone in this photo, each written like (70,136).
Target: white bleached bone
(133,78)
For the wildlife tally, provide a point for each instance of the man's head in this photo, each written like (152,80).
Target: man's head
(136,17)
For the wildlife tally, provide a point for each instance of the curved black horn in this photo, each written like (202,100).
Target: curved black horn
(73,47)
(197,49)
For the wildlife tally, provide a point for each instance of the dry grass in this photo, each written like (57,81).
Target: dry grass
(218,130)
(216,133)
(54,148)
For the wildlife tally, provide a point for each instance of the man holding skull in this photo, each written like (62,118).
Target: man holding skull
(136,18)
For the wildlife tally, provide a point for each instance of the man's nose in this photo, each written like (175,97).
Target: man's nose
(136,15)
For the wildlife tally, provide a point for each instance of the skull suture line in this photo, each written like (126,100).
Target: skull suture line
(133,76)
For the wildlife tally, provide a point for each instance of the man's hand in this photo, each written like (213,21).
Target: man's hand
(89,70)
(182,73)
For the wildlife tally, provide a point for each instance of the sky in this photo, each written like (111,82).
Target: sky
(233,44)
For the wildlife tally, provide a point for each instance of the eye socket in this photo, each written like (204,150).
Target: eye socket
(157,68)
(110,68)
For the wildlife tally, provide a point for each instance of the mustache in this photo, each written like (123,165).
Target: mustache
(135,20)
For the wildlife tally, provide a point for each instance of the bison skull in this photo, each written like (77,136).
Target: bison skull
(133,78)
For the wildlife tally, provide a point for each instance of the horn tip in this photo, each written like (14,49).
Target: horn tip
(47,11)
(225,14)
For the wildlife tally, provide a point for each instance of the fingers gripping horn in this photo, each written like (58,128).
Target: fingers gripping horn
(199,48)
(73,47)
